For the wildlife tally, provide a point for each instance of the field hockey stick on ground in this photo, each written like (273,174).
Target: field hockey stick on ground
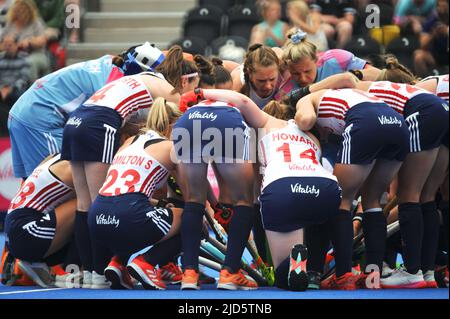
(267,272)
(217,229)
(209,263)
(207,252)
(220,251)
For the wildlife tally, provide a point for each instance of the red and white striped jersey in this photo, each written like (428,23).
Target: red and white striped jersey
(133,170)
(442,85)
(290,152)
(126,95)
(396,95)
(42,191)
(335,104)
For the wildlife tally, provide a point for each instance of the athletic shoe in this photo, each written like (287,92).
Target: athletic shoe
(345,282)
(401,279)
(387,271)
(65,279)
(441,276)
(87,280)
(8,266)
(236,281)
(204,279)
(171,274)
(313,280)
(146,274)
(38,272)
(190,280)
(118,275)
(99,281)
(297,278)
(429,279)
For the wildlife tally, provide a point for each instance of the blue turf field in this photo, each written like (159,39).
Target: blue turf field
(210,292)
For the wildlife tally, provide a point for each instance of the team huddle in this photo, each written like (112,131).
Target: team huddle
(116,156)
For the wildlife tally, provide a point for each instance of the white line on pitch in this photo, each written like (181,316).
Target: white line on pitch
(28,291)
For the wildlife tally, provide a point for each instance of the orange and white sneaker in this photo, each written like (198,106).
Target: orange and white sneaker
(428,277)
(235,281)
(118,275)
(369,281)
(171,274)
(146,274)
(345,282)
(190,280)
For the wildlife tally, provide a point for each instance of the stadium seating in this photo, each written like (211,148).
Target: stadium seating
(403,48)
(222,4)
(192,45)
(241,19)
(204,22)
(363,46)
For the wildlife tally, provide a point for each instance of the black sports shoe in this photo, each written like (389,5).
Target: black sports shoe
(297,278)
(313,280)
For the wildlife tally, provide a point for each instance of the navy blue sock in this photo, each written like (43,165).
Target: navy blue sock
(411,228)
(281,275)
(239,231)
(443,206)
(317,240)
(259,233)
(83,240)
(163,253)
(191,233)
(342,239)
(375,232)
(430,241)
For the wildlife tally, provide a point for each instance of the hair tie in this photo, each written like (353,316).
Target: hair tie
(298,36)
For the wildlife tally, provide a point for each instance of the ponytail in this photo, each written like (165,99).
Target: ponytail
(175,66)
(396,72)
(161,115)
(298,48)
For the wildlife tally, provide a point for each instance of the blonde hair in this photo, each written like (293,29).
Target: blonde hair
(301,6)
(32,9)
(297,49)
(396,72)
(279,110)
(161,115)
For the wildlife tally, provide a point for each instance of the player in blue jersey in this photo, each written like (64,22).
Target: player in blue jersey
(37,119)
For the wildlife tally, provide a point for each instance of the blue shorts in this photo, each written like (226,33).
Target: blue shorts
(127,223)
(204,134)
(292,203)
(373,131)
(92,134)
(30,146)
(29,233)
(427,118)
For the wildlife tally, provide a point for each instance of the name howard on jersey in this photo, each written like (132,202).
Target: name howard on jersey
(294,138)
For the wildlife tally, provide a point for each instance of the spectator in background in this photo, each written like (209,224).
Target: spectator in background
(23,20)
(14,78)
(53,14)
(309,21)
(416,12)
(4,7)
(272,31)
(338,18)
(434,41)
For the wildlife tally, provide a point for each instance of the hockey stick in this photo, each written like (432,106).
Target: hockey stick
(209,263)
(267,272)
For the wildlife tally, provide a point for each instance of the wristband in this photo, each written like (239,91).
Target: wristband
(357,73)
(297,94)
(358,217)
